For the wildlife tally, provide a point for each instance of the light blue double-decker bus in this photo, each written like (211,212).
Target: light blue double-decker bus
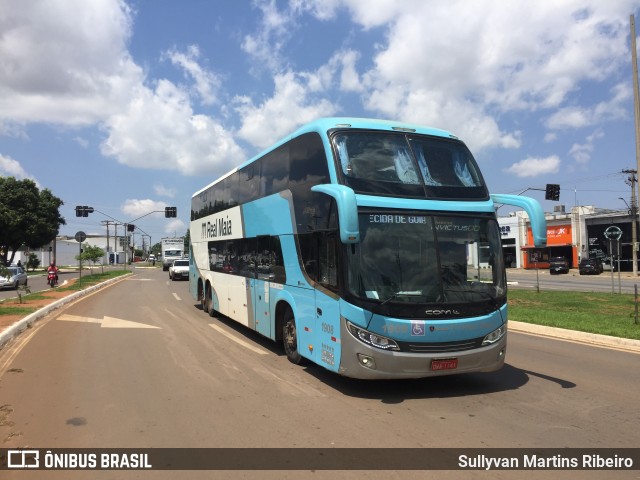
(368,247)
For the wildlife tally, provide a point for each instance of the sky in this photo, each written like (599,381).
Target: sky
(132,106)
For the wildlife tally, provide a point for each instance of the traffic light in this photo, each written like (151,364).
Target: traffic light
(130,227)
(170,212)
(83,211)
(552,192)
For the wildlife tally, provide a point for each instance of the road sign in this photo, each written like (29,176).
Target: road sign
(613,233)
(81,236)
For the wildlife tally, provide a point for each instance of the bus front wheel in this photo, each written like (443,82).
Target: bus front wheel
(290,337)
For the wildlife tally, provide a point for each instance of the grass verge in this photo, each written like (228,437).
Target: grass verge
(92,279)
(33,301)
(592,312)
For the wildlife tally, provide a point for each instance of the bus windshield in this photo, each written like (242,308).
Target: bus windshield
(426,259)
(408,165)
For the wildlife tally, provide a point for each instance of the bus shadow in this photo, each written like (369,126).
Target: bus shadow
(449,386)
(396,391)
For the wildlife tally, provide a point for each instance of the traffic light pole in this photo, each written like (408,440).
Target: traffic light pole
(84,211)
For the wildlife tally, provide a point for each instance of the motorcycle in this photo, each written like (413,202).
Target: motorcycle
(51,279)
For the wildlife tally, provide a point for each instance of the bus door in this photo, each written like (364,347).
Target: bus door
(327,303)
(261,285)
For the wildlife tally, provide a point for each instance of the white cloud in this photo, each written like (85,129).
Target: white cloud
(175,227)
(164,191)
(83,142)
(158,129)
(578,117)
(535,167)
(582,152)
(12,168)
(206,82)
(80,72)
(265,45)
(135,208)
(64,62)
(459,65)
(291,105)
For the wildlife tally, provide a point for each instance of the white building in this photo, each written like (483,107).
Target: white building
(65,249)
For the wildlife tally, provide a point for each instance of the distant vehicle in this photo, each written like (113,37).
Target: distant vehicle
(179,270)
(172,249)
(558,265)
(590,266)
(17,276)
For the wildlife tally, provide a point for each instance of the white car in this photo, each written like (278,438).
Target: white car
(179,269)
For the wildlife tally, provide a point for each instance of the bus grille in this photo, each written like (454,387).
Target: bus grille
(443,347)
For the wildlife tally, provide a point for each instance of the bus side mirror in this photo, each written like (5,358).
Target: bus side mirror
(345,199)
(533,209)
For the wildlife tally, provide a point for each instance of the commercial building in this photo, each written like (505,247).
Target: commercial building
(577,234)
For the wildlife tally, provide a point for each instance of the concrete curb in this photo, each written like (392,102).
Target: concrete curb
(574,336)
(21,325)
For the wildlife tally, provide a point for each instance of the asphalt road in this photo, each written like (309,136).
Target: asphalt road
(138,364)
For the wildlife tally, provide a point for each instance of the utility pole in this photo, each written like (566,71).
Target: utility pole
(632,180)
(636,109)
(107,223)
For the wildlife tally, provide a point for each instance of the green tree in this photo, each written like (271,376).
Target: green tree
(91,253)
(156,248)
(28,216)
(33,262)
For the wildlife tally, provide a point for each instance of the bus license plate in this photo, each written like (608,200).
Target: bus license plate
(445,364)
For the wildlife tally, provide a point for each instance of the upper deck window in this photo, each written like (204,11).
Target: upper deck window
(408,165)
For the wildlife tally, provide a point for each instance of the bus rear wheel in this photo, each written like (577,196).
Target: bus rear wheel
(290,337)
(205,301)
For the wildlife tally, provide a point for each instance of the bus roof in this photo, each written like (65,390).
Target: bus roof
(322,125)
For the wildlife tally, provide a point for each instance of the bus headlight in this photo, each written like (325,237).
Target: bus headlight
(371,338)
(494,336)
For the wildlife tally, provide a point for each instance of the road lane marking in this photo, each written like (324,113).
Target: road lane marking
(105,322)
(176,296)
(238,341)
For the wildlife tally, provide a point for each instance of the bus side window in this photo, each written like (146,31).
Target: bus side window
(269,261)
(308,254)
(327,274)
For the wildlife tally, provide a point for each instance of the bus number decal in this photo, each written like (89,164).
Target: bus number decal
(327,328)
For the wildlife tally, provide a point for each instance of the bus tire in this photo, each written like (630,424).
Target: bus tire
(206,300)
(290,337)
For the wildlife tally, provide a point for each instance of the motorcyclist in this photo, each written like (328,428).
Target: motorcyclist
(53,269)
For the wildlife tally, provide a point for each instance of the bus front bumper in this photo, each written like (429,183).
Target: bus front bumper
(363,361)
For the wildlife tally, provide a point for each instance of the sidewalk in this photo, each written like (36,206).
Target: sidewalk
(10,327)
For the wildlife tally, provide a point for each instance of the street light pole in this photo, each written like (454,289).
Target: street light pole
(631,180)
(636,109)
